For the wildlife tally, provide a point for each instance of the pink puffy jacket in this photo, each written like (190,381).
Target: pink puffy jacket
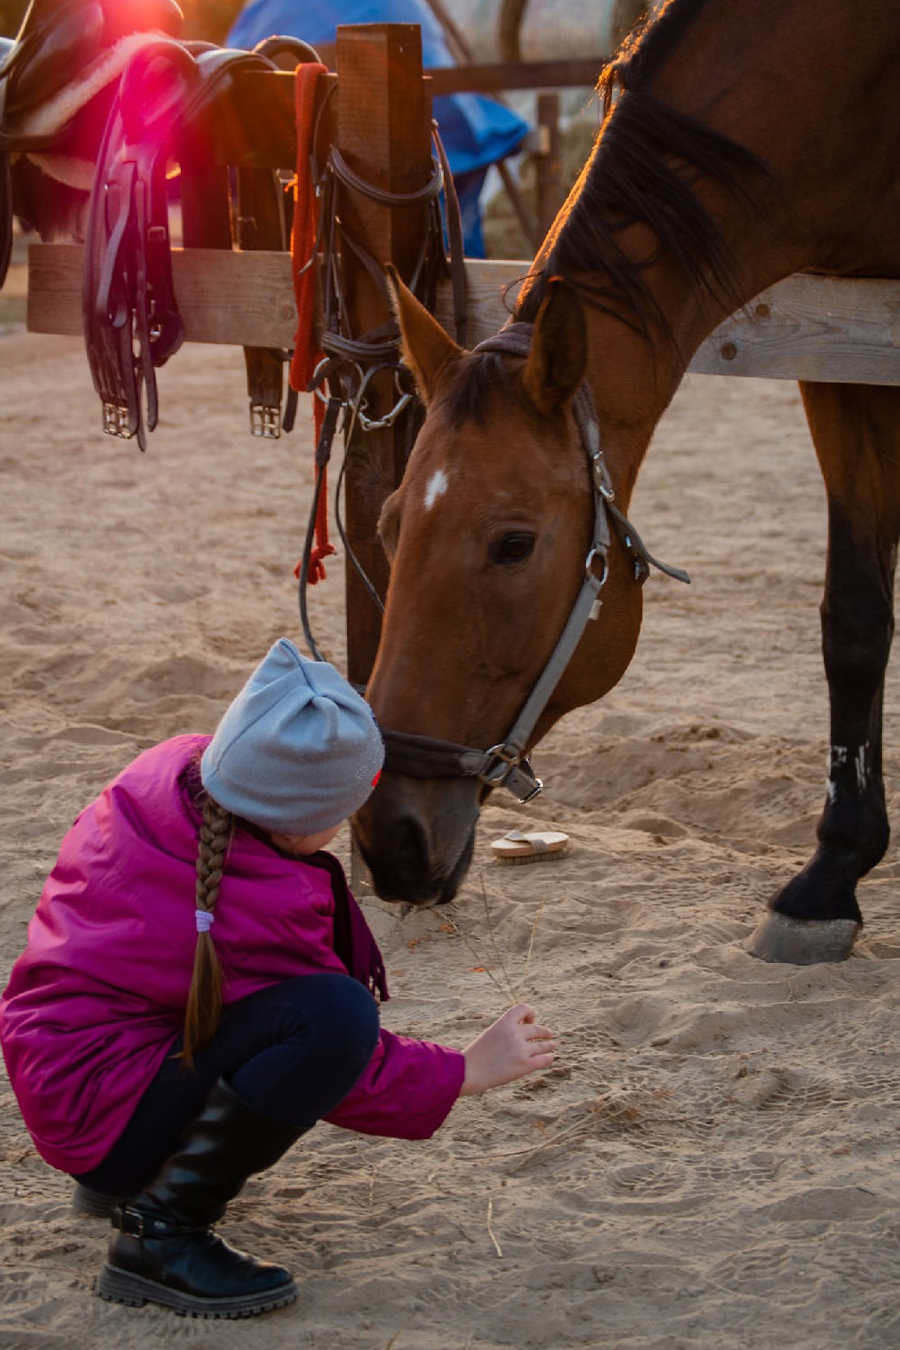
(98,996)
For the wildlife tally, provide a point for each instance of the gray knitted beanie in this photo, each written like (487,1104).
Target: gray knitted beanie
(298,750)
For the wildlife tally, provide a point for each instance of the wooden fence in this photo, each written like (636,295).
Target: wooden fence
(843,330)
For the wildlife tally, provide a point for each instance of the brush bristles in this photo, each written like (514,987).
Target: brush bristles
(547,855)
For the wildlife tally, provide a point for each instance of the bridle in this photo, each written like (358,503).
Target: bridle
(505,765)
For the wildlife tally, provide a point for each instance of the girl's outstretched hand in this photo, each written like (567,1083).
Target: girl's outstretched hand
(511,1047)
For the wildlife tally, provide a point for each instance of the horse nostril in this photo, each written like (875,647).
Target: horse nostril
(397,853)
(417,842)
(411,853)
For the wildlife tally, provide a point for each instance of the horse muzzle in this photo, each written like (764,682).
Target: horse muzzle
(417,836)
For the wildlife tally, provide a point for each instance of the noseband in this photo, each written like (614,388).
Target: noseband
(505,765)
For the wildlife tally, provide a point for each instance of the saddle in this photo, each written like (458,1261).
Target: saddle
(50,123)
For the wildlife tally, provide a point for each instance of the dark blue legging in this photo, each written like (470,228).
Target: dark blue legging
(292,1052)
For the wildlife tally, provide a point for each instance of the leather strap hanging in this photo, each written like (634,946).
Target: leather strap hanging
(131,320)
(307,354)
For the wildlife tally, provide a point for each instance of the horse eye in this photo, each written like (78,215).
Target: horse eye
(512,548)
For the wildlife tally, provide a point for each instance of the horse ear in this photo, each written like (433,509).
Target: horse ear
(558,357)
(427,349)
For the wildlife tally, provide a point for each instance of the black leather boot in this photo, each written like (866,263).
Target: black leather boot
(164,1250)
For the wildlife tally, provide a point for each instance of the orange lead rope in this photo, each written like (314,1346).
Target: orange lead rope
(303,240)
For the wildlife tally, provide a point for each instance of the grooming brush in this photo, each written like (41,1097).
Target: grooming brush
(517,847)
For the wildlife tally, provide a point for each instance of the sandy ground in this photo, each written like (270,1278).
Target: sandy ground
(713,1161)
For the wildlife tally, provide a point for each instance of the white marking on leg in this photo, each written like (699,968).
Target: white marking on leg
(437,486)
(837,758)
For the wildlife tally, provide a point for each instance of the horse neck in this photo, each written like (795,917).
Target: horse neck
(634,374)
(718,113)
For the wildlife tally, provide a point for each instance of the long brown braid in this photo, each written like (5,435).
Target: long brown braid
(204,1005)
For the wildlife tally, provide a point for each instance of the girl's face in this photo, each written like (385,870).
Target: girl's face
(300,845)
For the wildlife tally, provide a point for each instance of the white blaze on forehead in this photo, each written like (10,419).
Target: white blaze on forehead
(437,486)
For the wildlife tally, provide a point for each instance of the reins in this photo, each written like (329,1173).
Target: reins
(505,764)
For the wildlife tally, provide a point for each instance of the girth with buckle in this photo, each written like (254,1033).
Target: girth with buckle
(131,320)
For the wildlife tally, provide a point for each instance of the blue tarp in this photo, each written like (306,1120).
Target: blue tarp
(476,130)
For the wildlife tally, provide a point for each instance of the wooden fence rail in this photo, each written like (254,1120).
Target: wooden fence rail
(832,329)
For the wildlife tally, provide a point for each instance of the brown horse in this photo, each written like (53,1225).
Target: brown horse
(742,141)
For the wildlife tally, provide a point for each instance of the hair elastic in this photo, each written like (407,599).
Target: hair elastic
(205,920)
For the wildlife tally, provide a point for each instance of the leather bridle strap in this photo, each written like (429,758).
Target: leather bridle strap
(426,757)
(504,765)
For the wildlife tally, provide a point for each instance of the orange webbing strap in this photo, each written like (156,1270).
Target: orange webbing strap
(303,240)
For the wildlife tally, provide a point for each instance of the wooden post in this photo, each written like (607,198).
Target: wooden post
(548,164)
(383,132)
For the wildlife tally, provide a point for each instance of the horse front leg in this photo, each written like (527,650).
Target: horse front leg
(856,431)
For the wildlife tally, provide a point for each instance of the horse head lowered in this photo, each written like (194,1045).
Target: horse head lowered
(509,522)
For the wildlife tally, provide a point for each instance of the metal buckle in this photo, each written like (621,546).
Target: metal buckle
(115,421)
(589,566)
(505,769)
(501,753)
(128,1221)
(265,420)
(527,777)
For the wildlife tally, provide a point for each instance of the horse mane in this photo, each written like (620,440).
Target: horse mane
(645,48)
(646,159)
